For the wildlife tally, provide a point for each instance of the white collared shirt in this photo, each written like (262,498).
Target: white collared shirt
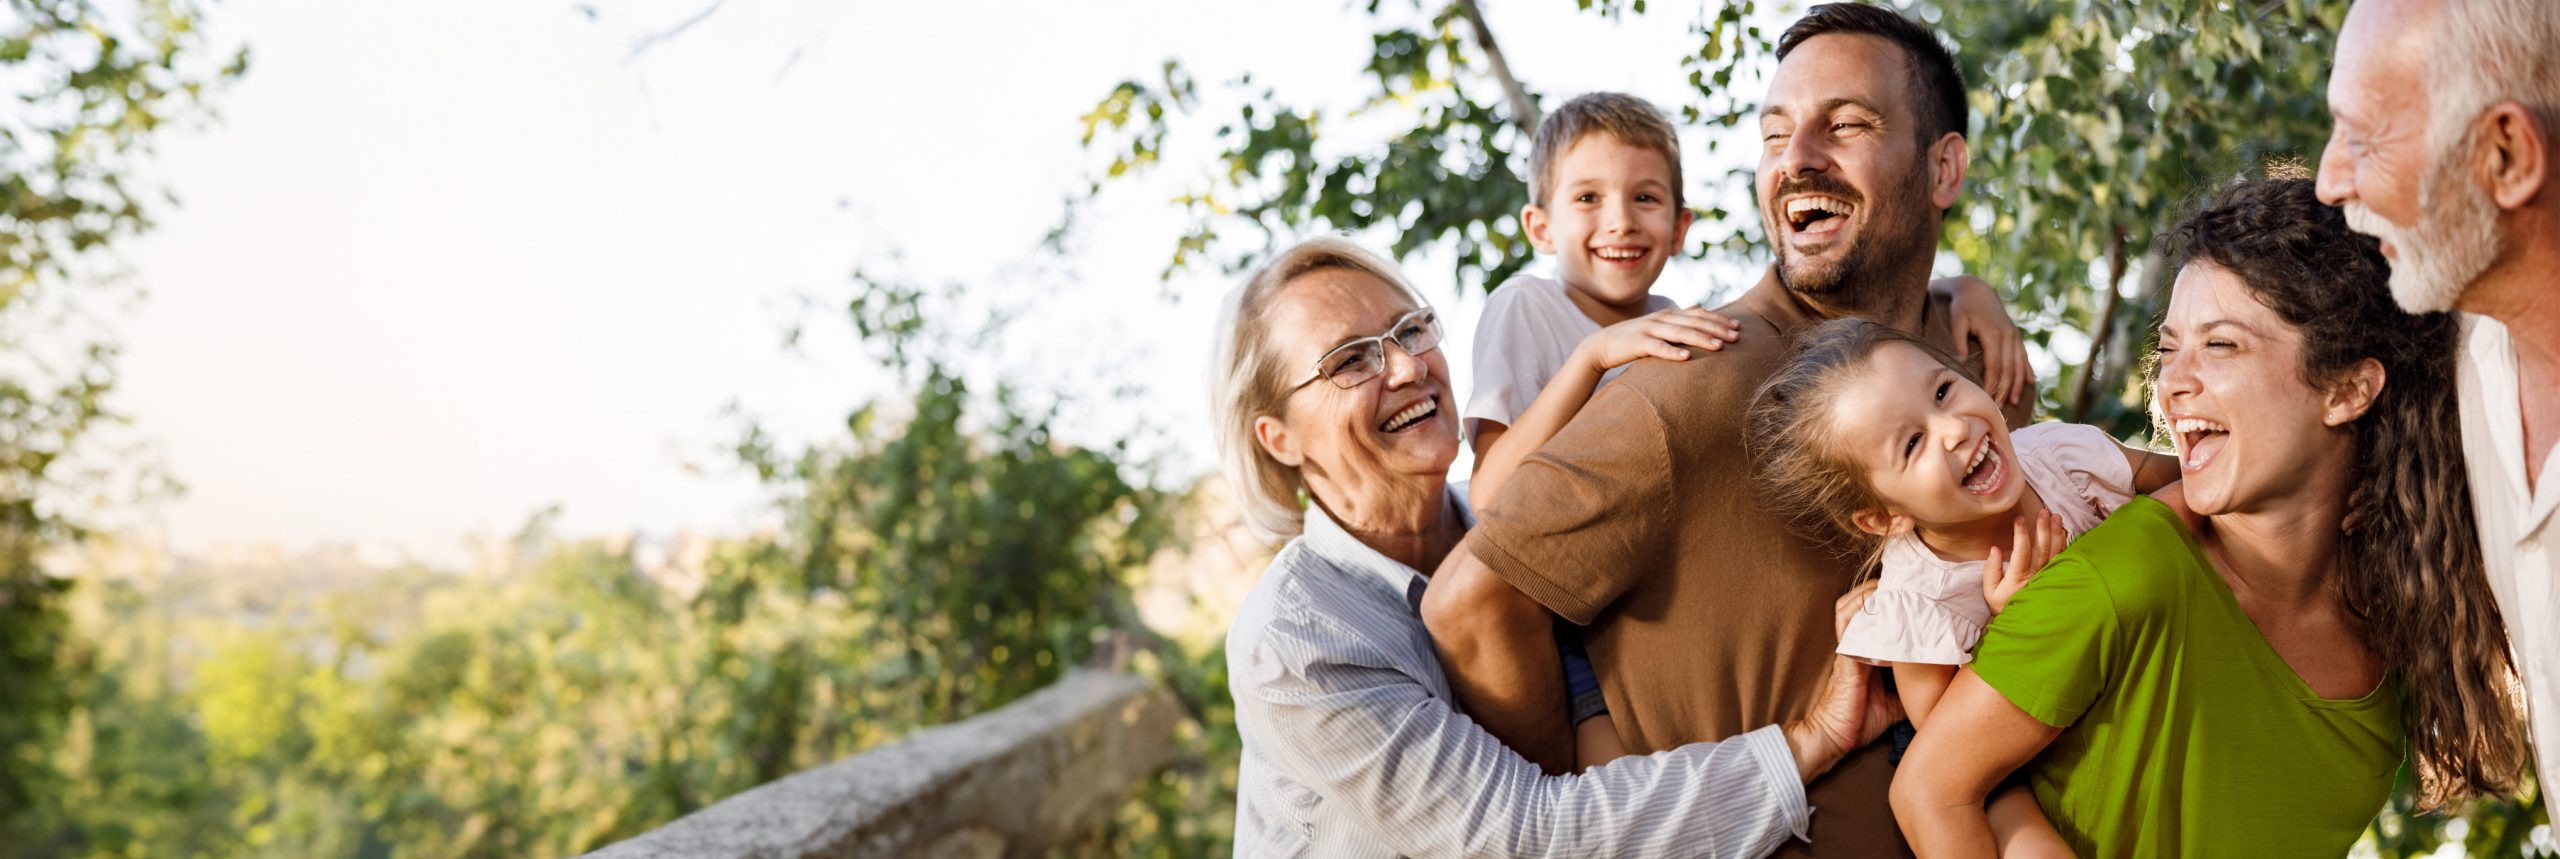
(2517,527)
(1354,747)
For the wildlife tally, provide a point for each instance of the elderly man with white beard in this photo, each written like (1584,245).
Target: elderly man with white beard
(2447,117)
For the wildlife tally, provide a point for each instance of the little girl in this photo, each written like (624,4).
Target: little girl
(1885,443)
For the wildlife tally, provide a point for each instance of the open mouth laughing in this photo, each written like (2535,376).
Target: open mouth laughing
(1817,216)
(1986,470)
(2199,441)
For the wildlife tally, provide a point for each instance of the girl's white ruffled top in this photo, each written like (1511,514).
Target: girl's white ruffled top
(1930,609)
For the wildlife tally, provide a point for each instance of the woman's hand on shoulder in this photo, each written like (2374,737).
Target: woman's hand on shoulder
(2031,547)
(1659,334)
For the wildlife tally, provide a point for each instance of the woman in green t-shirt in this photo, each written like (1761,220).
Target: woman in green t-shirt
(2239,664)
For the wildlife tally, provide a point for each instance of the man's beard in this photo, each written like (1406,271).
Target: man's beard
(2455,240)
(1900,232)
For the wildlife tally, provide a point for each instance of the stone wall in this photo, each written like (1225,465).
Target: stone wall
(1008,783)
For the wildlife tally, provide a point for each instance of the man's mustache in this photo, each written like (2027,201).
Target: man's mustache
(1816,183)
(2363,220)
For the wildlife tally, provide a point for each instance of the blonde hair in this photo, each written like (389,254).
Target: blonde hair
(1250,382)
(1633,121)
(1802,473)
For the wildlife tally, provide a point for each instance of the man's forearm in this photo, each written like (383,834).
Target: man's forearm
(1498,648)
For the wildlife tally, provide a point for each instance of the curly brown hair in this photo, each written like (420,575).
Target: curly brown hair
(1803,477)
(2411,573)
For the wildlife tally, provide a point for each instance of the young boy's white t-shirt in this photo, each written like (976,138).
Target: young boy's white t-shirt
(1530,327)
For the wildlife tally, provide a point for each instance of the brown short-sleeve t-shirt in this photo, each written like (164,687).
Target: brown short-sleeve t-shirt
(1709,616)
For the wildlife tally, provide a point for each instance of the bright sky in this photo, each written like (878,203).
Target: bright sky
(441,265)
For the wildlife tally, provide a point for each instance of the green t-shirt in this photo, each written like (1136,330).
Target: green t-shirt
(2186,735)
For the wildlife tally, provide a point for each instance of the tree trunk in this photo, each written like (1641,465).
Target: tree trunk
(1524,111)
(2084,396)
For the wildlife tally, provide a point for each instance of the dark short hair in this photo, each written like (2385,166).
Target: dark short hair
(1936,88)
(1633,121)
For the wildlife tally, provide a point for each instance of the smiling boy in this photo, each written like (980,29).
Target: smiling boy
(1605,201)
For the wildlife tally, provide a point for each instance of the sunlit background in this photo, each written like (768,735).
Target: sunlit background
(440,266)
(535,420)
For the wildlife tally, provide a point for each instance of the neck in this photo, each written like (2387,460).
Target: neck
(1603,312)
(1408,520)
(1973,541)
(2520,293)
(2287,554)
(1900,306)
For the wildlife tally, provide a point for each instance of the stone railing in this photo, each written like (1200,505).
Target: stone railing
(1040,771)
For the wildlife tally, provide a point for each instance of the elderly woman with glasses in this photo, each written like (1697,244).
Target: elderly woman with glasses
(1336,425)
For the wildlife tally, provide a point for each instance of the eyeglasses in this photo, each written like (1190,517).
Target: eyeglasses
(1352,364)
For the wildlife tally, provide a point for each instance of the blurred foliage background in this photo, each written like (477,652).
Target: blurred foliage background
(86,94)
(942,554)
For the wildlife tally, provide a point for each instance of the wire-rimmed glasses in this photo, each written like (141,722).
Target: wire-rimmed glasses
(1352,364)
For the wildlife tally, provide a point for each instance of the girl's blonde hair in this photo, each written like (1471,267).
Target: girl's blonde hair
(1250,381)
(1804,477)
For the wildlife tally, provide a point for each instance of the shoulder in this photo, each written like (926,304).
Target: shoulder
(1528,327)
(2144,527)
(1289,603)
(2079,451)
(2057,434)
(1717,384)
(1305,609)
(1907,564)
(2140,557)
(1523,294)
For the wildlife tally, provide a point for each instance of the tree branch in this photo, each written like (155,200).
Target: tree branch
(644,43)
(2085,397)
(1524,110)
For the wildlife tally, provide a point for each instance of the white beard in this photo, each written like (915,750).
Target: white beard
(2456,238)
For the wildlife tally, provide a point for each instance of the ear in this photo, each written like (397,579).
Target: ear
(2353,393)
(1874,520)
(1533,221)
(1948,160)
(1273,435)
(1680,230)
(2516,155)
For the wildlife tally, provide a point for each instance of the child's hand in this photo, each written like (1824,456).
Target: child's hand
(1977,314)
(1659,335)
(2031,547)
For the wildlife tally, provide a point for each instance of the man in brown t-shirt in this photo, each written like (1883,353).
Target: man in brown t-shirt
(1709,616)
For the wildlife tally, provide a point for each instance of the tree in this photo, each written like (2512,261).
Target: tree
(940,557)
(2093,125)
(91,91)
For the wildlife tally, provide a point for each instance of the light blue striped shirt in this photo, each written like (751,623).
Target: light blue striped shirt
(1354,747)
